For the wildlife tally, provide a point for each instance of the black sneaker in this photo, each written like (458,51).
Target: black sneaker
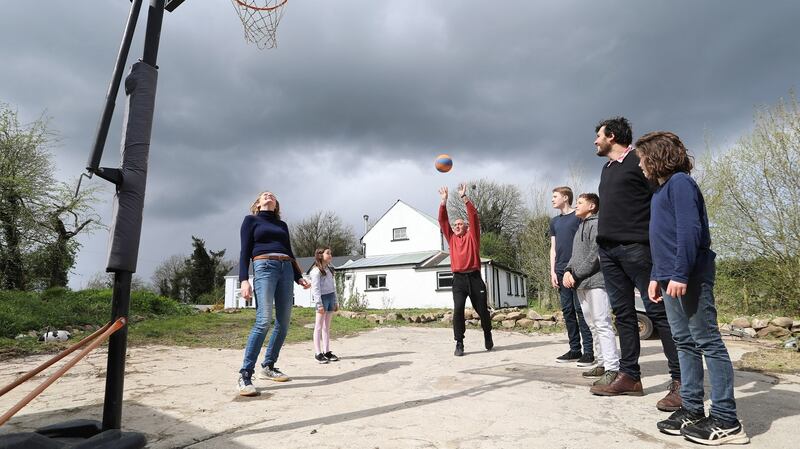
(586,360)
(331,357)
(678,420)
(713,432)
(487,341)
(459,349)
(569,357)
(321,358)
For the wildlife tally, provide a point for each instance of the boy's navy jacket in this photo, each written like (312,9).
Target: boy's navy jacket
(680,242)
(585,262)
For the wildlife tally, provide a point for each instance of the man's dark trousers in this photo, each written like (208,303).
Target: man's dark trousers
(624,267)
(577,328)
(469,284)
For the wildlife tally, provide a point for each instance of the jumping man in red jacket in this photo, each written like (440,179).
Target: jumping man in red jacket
(464,240)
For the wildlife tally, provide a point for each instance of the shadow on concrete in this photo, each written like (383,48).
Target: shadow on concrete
(519,346)
(377,355)
(389,408)
(378,368)
(159,428)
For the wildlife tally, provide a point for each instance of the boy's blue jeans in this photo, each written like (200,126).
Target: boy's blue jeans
(273,285)
(693,320)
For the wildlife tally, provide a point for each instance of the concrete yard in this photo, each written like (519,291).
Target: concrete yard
(393,388)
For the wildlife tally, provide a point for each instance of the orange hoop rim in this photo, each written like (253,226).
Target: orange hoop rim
(265,8)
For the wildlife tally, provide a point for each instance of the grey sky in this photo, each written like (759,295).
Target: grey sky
(349,112)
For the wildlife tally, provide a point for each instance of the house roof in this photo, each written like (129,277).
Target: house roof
(427,217)
(390,259)
(423,259)
(306,263)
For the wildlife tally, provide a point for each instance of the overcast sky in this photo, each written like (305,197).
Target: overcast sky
(350,111)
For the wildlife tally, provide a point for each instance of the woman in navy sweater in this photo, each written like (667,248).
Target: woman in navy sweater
(684,270)
(265,241)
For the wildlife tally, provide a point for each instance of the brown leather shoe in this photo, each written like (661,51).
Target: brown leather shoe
(672,401)
(623,384)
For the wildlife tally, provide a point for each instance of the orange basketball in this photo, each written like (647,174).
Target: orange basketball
(443,163)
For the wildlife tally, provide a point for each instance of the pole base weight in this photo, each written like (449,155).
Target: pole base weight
(75,434)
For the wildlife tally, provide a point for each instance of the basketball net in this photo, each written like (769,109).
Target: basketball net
(260,20)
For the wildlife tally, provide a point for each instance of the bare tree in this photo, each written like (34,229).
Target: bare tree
(171,279)
(500,206)
(323,228)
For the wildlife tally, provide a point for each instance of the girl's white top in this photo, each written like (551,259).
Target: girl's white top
(321,285)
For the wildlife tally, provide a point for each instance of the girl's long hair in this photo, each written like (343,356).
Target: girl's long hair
(319,253)
(662,154)
(254,206)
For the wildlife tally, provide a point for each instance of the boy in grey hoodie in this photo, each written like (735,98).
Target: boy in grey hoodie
(583,274)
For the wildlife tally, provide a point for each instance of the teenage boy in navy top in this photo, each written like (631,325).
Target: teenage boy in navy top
(624,248)
(562,231)
(683,269)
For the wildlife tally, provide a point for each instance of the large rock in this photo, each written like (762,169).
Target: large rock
(508,324)
(773,331)
(750,332)
(547,323)
(741,322)
(473,322)
(447,319)
(534,315)
(525,322)
(515,316)
(471,314)
(759,324)
(782,321)
(548,318)
(796,325)
(725,327)
(499,317)
(393,316)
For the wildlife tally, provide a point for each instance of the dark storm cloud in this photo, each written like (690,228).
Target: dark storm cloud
(519,83)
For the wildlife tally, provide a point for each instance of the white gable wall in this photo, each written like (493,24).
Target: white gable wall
(422,234)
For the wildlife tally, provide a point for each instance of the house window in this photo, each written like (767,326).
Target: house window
(508,283)
(444,280)
(399,234)
(376,281)
(522,286)
(516,285)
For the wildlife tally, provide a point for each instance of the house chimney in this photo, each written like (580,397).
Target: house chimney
(366,223)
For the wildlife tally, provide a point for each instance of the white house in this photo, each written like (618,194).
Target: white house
(302,297)
(406,265)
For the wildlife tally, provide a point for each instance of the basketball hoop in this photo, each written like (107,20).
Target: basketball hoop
(260,20)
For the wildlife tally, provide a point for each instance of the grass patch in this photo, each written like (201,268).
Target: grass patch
(230,330)
(771,360)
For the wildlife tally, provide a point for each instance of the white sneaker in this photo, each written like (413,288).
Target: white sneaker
(246,387)
(273,374)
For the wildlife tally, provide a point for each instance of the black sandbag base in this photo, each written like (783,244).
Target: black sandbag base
(76,434)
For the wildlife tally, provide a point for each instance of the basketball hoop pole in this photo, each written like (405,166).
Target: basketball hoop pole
(140,87)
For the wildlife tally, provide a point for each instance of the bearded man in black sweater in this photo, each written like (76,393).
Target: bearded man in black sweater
(624,248)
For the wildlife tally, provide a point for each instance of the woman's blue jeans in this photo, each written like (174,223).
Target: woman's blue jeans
(693,320)
(273,286)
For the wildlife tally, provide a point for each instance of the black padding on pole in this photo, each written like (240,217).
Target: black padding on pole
(126,227)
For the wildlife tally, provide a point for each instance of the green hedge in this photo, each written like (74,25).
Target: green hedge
(57,308)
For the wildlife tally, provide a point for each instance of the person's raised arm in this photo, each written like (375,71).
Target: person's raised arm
(444,220)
